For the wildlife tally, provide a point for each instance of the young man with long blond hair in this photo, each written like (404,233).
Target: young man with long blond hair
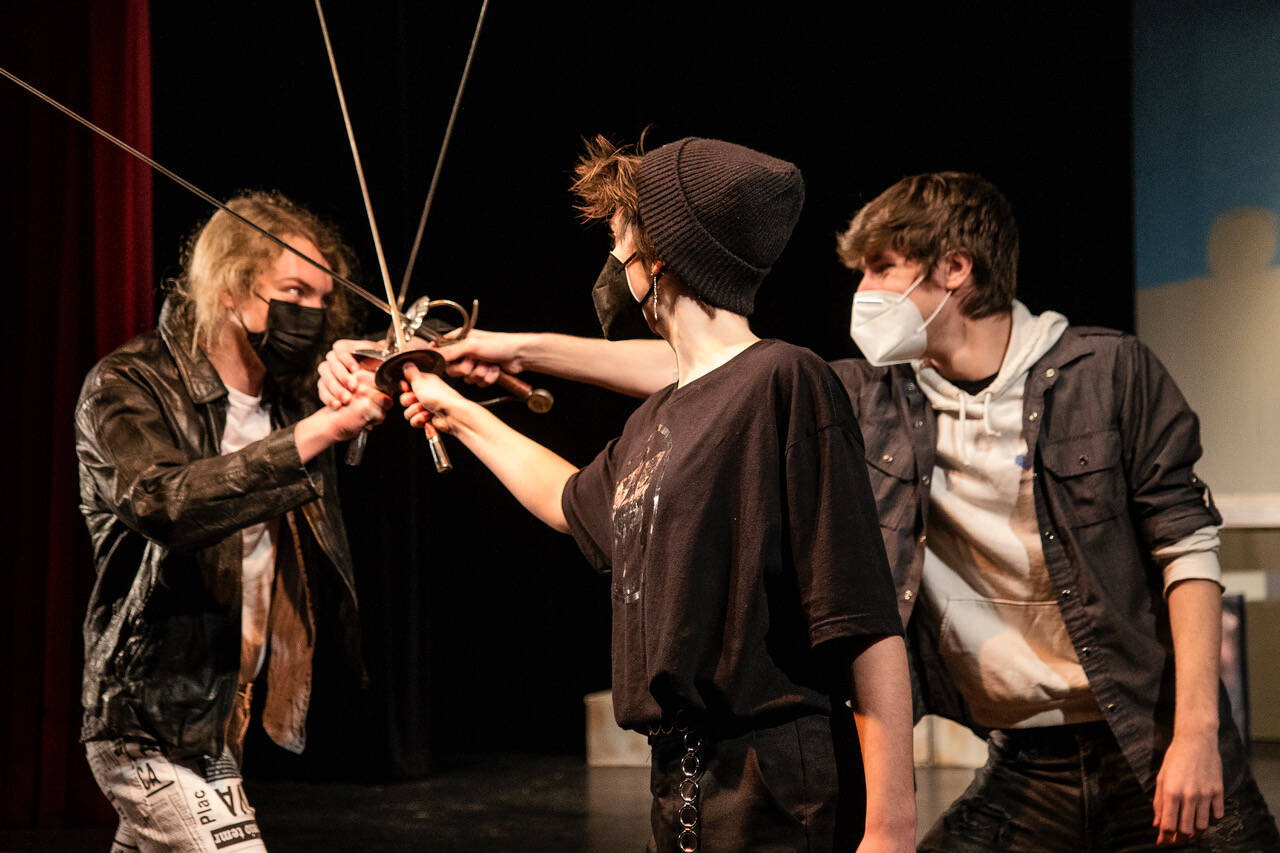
(209,491)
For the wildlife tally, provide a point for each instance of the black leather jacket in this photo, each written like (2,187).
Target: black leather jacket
(165,511)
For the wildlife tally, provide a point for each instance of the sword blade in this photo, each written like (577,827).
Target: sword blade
(444,147)
(397,326)
(190,187)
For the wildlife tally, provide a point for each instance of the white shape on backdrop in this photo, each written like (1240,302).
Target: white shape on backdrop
(1219,335)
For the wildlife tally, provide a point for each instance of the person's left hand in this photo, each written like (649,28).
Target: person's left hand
(1188,788)
(341,373)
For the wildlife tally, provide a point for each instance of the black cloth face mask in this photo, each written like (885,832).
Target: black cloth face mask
(621,317)
(289,344)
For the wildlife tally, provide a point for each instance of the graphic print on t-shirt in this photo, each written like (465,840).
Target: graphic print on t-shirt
(635,505)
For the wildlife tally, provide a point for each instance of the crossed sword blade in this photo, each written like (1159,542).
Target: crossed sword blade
(350,285)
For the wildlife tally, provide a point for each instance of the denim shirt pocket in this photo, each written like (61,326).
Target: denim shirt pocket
(1085,471)
(891,468)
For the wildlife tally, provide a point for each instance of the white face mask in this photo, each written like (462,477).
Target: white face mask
(887,326)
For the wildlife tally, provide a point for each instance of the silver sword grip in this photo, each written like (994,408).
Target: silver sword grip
(439,456)
(355,450)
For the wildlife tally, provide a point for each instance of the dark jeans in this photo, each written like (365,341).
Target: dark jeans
(1070,789)
(769,789)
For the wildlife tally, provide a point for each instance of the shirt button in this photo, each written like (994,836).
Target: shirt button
(888,457)
(918,423)
(1111,706)
(1033,416)
(924,537)
(925,480)
(1066,593)
(1084,460)
(906,596)
(1050,373)
(1084,651)
(1047,534)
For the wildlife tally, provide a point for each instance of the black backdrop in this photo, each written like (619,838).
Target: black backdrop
(483,629)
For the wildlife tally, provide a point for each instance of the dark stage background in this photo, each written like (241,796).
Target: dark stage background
(483,629)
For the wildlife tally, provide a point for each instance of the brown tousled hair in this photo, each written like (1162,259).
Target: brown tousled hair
(604,182)
(925,217)
(225,255)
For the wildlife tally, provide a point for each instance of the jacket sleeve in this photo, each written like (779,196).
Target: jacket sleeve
(1161,437)
(135,468)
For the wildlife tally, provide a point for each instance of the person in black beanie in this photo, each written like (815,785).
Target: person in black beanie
(734,513)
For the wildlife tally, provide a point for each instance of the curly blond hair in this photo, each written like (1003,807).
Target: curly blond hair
(226,256)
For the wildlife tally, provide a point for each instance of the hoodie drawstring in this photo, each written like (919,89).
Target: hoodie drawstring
(987,428)
(986,416)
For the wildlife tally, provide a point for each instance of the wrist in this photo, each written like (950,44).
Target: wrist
(315,434)
(1196,725)
(900,835)
(525,349)
(891,822)
(463,416)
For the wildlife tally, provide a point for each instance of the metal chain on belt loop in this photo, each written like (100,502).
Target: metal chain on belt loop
(690,769)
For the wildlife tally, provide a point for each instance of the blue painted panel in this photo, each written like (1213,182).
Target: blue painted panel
(1206,97)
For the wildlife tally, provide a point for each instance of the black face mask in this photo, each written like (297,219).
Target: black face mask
(289,344)
(621,317)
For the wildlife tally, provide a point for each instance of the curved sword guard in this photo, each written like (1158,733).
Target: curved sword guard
(538,400)
(391,371)
(388,378)
(417,313)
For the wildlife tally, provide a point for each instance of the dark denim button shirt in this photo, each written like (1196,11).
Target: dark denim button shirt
(1113,444)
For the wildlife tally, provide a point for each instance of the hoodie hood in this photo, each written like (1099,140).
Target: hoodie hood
(1031,337)
(997,409)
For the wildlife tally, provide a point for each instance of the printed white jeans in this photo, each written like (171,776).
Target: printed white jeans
(196,806)
(193,805)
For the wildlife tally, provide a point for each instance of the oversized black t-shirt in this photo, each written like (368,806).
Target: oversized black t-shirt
(737,520)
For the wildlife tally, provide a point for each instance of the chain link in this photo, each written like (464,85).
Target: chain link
(690,793)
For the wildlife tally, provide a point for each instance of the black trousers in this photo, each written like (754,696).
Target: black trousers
(769,789)
(1070,789)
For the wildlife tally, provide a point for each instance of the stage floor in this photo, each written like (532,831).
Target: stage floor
(492,803)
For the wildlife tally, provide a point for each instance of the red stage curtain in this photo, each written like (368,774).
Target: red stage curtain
(78,262)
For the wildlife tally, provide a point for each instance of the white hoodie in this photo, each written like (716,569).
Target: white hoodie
(1002,636)
(1001,633)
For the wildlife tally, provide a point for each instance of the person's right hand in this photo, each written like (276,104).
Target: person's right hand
(480,356)
(328,425)
(428,399)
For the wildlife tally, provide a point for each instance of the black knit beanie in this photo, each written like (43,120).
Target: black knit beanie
(719,215)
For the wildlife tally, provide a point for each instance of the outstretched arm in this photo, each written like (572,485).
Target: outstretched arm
(1189,785)
(637,368)
(534,475)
